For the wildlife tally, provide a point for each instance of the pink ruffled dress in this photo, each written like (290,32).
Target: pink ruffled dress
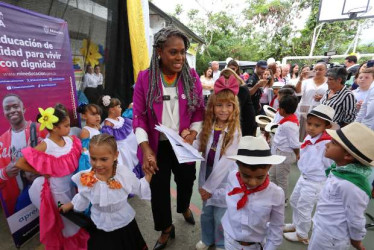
(56,232)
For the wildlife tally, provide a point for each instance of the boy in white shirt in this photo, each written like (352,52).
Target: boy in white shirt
(339,219)
(285,90)
(285,142)
(312,165)
(255,207)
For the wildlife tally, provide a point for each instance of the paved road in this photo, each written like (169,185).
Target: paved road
(186,235)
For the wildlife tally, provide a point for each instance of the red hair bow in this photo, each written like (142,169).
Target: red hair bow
(222,83)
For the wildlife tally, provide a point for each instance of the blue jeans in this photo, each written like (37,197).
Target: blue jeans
(211,227)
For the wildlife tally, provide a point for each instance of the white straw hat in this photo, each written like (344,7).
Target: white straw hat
(263,120)
(358,140)
(325,113)
(277,85)
(271,127)
(255,151)
(270,111)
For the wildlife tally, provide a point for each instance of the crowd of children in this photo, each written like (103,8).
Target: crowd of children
(243,181)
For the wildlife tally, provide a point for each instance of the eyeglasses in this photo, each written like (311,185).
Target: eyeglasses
(319,69)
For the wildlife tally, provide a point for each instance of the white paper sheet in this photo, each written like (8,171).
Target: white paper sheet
(183,151)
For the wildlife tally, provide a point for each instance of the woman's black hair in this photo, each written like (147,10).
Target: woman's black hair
(206,70)
(235,64)
(154,90)
(292,68)
(87,66)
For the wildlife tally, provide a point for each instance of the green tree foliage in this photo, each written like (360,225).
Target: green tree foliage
(270,29)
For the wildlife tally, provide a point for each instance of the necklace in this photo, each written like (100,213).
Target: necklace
(89,179)
(169,80)
(220,127)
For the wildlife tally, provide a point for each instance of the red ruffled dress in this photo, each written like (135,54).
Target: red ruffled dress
(56,232)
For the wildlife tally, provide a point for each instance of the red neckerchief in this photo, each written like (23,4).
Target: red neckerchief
(291,118)
(243,189)
(273,100)
(324,137)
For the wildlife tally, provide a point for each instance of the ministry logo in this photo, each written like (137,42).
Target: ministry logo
(49,30)
(46,29)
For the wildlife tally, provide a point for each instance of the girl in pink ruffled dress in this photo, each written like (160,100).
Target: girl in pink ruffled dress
(56,159)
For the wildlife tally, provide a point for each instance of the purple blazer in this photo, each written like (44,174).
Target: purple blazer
(148,122)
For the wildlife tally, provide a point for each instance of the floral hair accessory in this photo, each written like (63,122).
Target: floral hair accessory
(47,118)
(106,100)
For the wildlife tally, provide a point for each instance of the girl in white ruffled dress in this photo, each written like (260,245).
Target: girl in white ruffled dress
(121,129)
(106,186)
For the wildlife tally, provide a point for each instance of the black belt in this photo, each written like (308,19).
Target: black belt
(243,243)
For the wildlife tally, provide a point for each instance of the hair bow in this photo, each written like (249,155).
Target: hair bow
(222,83)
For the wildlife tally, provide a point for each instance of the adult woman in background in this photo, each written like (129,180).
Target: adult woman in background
(267,91)
(90,84)
(99,80)
(273,68)
(294,73)
(339,97)
(247,111)
(207,82)
(311,91)
(168,93)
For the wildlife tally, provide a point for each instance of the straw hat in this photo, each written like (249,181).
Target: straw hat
(270,111)
(271,127)
(358,140)
(255,151)
(263,120)
(325,113)
(277,85)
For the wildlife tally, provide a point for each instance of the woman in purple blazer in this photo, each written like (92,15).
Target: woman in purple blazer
(168,93)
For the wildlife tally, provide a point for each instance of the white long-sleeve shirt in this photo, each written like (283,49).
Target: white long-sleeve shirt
(110,209)
(261,218)
(340,210)
(312,162)
(89,81)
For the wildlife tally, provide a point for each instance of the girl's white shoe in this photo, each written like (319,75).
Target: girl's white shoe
(289,227)
(294,237)
(201,246)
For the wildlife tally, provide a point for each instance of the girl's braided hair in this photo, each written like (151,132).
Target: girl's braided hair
(154,91)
